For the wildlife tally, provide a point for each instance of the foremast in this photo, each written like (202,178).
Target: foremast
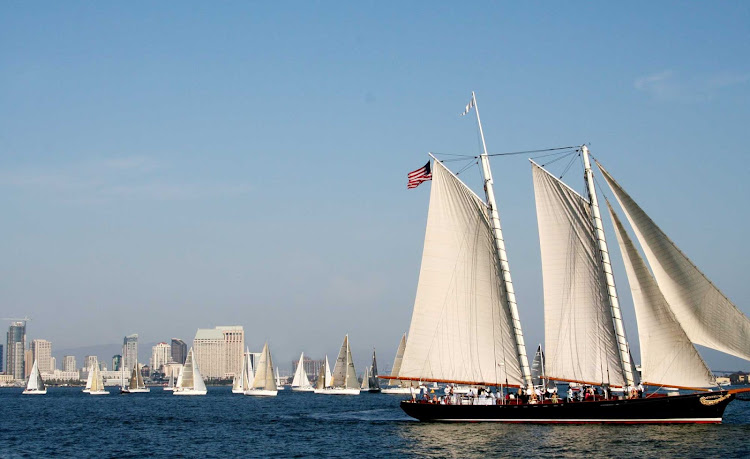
(507,284)
(622,342)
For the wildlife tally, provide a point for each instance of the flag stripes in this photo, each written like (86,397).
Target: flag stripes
(418,176)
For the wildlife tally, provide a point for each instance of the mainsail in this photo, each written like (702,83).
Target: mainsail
(708,317)
(324,376)
(264,378)
(300,376)
(667,355)
(344,374)
(579,332)
(460,331)
(136,379)
(36,383)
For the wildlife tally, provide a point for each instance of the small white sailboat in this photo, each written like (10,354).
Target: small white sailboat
(264,384)
(279,385)
(344,375)
(35,385)
(190,382)
(365,380)
(242,381)
(97,382)
(136,384)
(89,378)
(373,384)
(170,385)
(324,377)
(399,387)
(301,382)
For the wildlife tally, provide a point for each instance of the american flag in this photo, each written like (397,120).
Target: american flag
(418,176)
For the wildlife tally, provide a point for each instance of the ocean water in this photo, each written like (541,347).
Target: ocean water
(68,423)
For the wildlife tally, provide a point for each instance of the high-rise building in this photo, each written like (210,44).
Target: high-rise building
(2,359)
(312,367)
(116,362)
(89,361)
(234,339)
(52,364)
(42,350)
(130,351)
(179,351)
(209,351)
(160,355)
(15,350)
(28,362)
(69,363)
(218,351)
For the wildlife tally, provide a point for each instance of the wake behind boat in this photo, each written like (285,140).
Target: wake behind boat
(475,337)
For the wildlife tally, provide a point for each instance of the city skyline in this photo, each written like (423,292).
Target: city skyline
(168,169)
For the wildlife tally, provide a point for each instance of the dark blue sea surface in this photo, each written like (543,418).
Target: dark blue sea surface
(68,423)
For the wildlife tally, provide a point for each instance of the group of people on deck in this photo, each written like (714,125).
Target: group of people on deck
(485,396)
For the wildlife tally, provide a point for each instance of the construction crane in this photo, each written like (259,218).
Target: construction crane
(17,319)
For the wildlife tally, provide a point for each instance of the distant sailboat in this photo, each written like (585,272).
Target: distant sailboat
(89,378)
(97,382)
(365,380)
(324,377)
(300,382)
(190,382)
(373,381)
(242,382)
(35,385)
(264,384)
(344,375)
(136,383)
(279,385)
(399,387)
(170,385)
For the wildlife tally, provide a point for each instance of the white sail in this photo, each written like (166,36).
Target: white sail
(186,378)
(328,375)
(198,384)
(708,317)
(97,381)
(667,355)
(264,378)
(35,383)
(365,379)
(460,329)
(344,374)
(300,376)
(397,360)
(580,340)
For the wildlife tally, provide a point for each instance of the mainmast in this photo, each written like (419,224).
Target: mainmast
(614,303)
(502,256)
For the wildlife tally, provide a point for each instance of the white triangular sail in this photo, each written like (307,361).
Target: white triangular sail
(580,340)
(198,383)
(344,374)
(460,329)
(300,376)
(667,355)
(264,378)
(397,360)
(35,383)
(366,379)
(97,380)
(189,375)
(708,317)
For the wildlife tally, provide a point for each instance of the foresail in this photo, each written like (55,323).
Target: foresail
(297,381)
(341,367)
(667,355)
(580,340)
(537,373)
(186,375)
(351,373)
(398,359)
(460,329)
(708,317)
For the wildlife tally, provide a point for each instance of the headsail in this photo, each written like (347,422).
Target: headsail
(344,374)
(579,333)
(708,317)
(300,376)
(667,355)
(35,383)
(264,378)
(459,329)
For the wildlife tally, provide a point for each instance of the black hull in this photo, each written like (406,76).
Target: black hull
(694,408)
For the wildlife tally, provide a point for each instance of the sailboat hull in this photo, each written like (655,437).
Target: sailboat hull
(189,392)
(98,392)
(337,391)
(687,409)
(303,389)
(396,390)
(34,392)
(134,391)
(261,392)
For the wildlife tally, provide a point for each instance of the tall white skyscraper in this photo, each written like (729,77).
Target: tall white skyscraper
(42,350)
(234,339)
(130,351)
(69,363)
(218,351)
(16,345)
(160,355)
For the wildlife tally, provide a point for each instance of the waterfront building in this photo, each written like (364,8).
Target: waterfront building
(89,361)
(209,352)
(52,364)
(62,376)
(160,355)
(2,359)
(69,363)
(16,342)
(130,351)
(234,340)
(179,351)
(172,369)
(42,353)
(116,362)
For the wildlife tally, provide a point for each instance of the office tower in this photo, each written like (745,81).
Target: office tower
(52,364)
(2,359)
(130,351)
(179,351)
(116,362)
(234,341)
(218,351)
(160,355)
(69,363)
(28,362)
(89,361)
(42,350)
(15,351)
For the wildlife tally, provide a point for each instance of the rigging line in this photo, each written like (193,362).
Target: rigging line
(558,158)
(466,167)
(555,153)
(567,168)
(532,151)
(453,154)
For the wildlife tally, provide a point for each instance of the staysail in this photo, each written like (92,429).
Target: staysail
(667,355)
(708,317)
(580,339)
(459,330)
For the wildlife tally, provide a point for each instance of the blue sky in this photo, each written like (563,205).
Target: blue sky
(183,165)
